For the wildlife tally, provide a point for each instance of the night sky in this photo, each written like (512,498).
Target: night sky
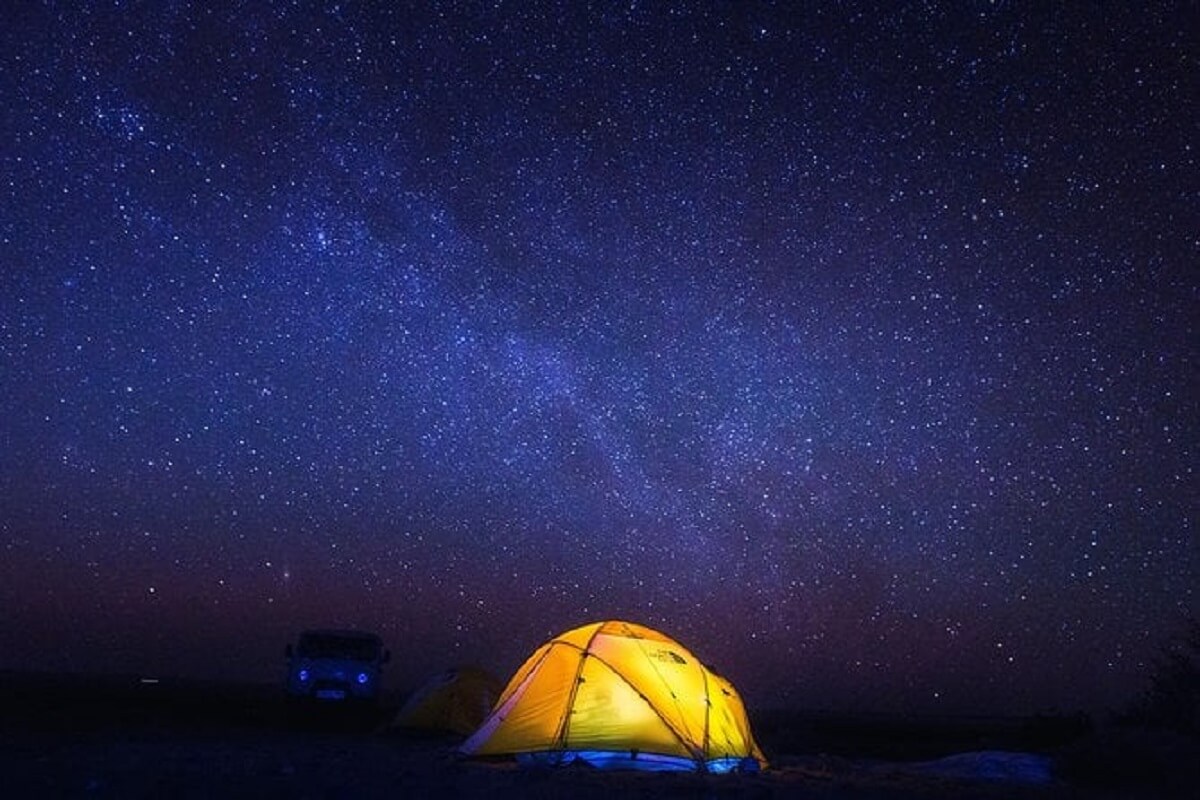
(854,349)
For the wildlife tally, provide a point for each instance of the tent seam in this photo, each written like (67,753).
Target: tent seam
(502,701)
(667,685)
(564,725)
(674,731)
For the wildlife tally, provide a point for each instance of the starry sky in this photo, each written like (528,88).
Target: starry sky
(853,346)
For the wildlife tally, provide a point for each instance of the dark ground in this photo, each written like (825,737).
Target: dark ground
(121,738)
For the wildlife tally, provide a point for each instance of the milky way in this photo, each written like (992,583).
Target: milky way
(854,350)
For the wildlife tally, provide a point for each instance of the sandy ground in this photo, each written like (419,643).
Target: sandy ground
(150,762)
(59,743)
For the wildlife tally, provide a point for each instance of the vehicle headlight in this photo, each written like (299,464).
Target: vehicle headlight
(303,676)
(363,677)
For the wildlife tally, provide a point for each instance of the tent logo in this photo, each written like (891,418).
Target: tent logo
(669,656)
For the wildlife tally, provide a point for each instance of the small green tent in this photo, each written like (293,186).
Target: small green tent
(456,701)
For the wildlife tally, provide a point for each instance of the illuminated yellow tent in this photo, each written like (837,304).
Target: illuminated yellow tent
(456,700)
(616,694)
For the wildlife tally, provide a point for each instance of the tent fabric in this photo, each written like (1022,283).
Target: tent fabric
(455,700)
(619,694)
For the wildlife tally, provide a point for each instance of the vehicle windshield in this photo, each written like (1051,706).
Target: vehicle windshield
(324,645)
